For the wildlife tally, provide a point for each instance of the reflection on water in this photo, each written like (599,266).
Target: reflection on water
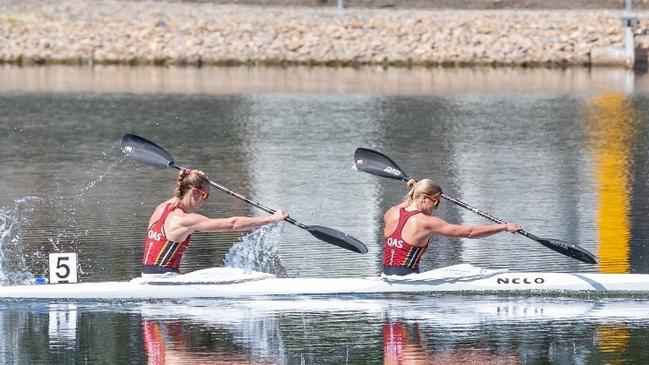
(403,344)
(372,330)
(62,326)
(406,344)
(560,162)
(175,342)
(612,124)
(363,80)
(612,338)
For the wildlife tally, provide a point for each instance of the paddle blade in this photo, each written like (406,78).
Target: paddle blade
(376,163)
(569,249)
(337,238)
(145,151)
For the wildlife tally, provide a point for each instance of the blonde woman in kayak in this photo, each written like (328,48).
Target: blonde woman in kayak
(174,221)
(410,225)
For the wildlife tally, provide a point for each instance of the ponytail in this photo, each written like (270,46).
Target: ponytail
(411,185)
(423,187)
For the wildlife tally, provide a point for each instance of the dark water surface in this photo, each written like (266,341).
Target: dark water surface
(563,152)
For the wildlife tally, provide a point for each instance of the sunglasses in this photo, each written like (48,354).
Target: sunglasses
(434,197)
(204,194)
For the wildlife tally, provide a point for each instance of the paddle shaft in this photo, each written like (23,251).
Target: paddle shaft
(247,200)
(487,215)
(481,213)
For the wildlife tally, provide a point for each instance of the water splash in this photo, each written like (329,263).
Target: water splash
(72,195)
(258,251)
(13,267)
(21,257)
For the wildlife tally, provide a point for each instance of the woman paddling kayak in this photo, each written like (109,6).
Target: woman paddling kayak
(410,225)
(174,221)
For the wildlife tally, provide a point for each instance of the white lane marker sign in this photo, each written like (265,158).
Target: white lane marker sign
(63,268)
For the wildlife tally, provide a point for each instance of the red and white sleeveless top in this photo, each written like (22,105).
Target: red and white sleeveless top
(398,252)
(159,250)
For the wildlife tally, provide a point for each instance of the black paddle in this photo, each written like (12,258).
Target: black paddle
(376,163)
(150,153)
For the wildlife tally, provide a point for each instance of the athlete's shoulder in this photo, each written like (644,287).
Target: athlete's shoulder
(157,213)
(160,207)
(428,220)
(392,212)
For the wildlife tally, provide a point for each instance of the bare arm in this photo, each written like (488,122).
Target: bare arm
(204,224)
(438,226)
(181,225)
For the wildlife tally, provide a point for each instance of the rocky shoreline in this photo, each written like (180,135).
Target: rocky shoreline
(165,33)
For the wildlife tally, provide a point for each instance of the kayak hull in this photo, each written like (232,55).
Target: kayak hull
(229,283)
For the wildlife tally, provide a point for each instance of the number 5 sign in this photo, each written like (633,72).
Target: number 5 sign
(63,268)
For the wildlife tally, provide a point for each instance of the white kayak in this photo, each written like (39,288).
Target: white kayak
(232,282)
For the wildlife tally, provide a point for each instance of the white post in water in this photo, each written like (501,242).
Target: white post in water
(342,4)
(630,22)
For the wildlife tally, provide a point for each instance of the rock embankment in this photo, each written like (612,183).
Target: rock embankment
(143,32)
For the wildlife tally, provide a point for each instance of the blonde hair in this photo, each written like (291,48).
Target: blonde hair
(423,187)
(186,180)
